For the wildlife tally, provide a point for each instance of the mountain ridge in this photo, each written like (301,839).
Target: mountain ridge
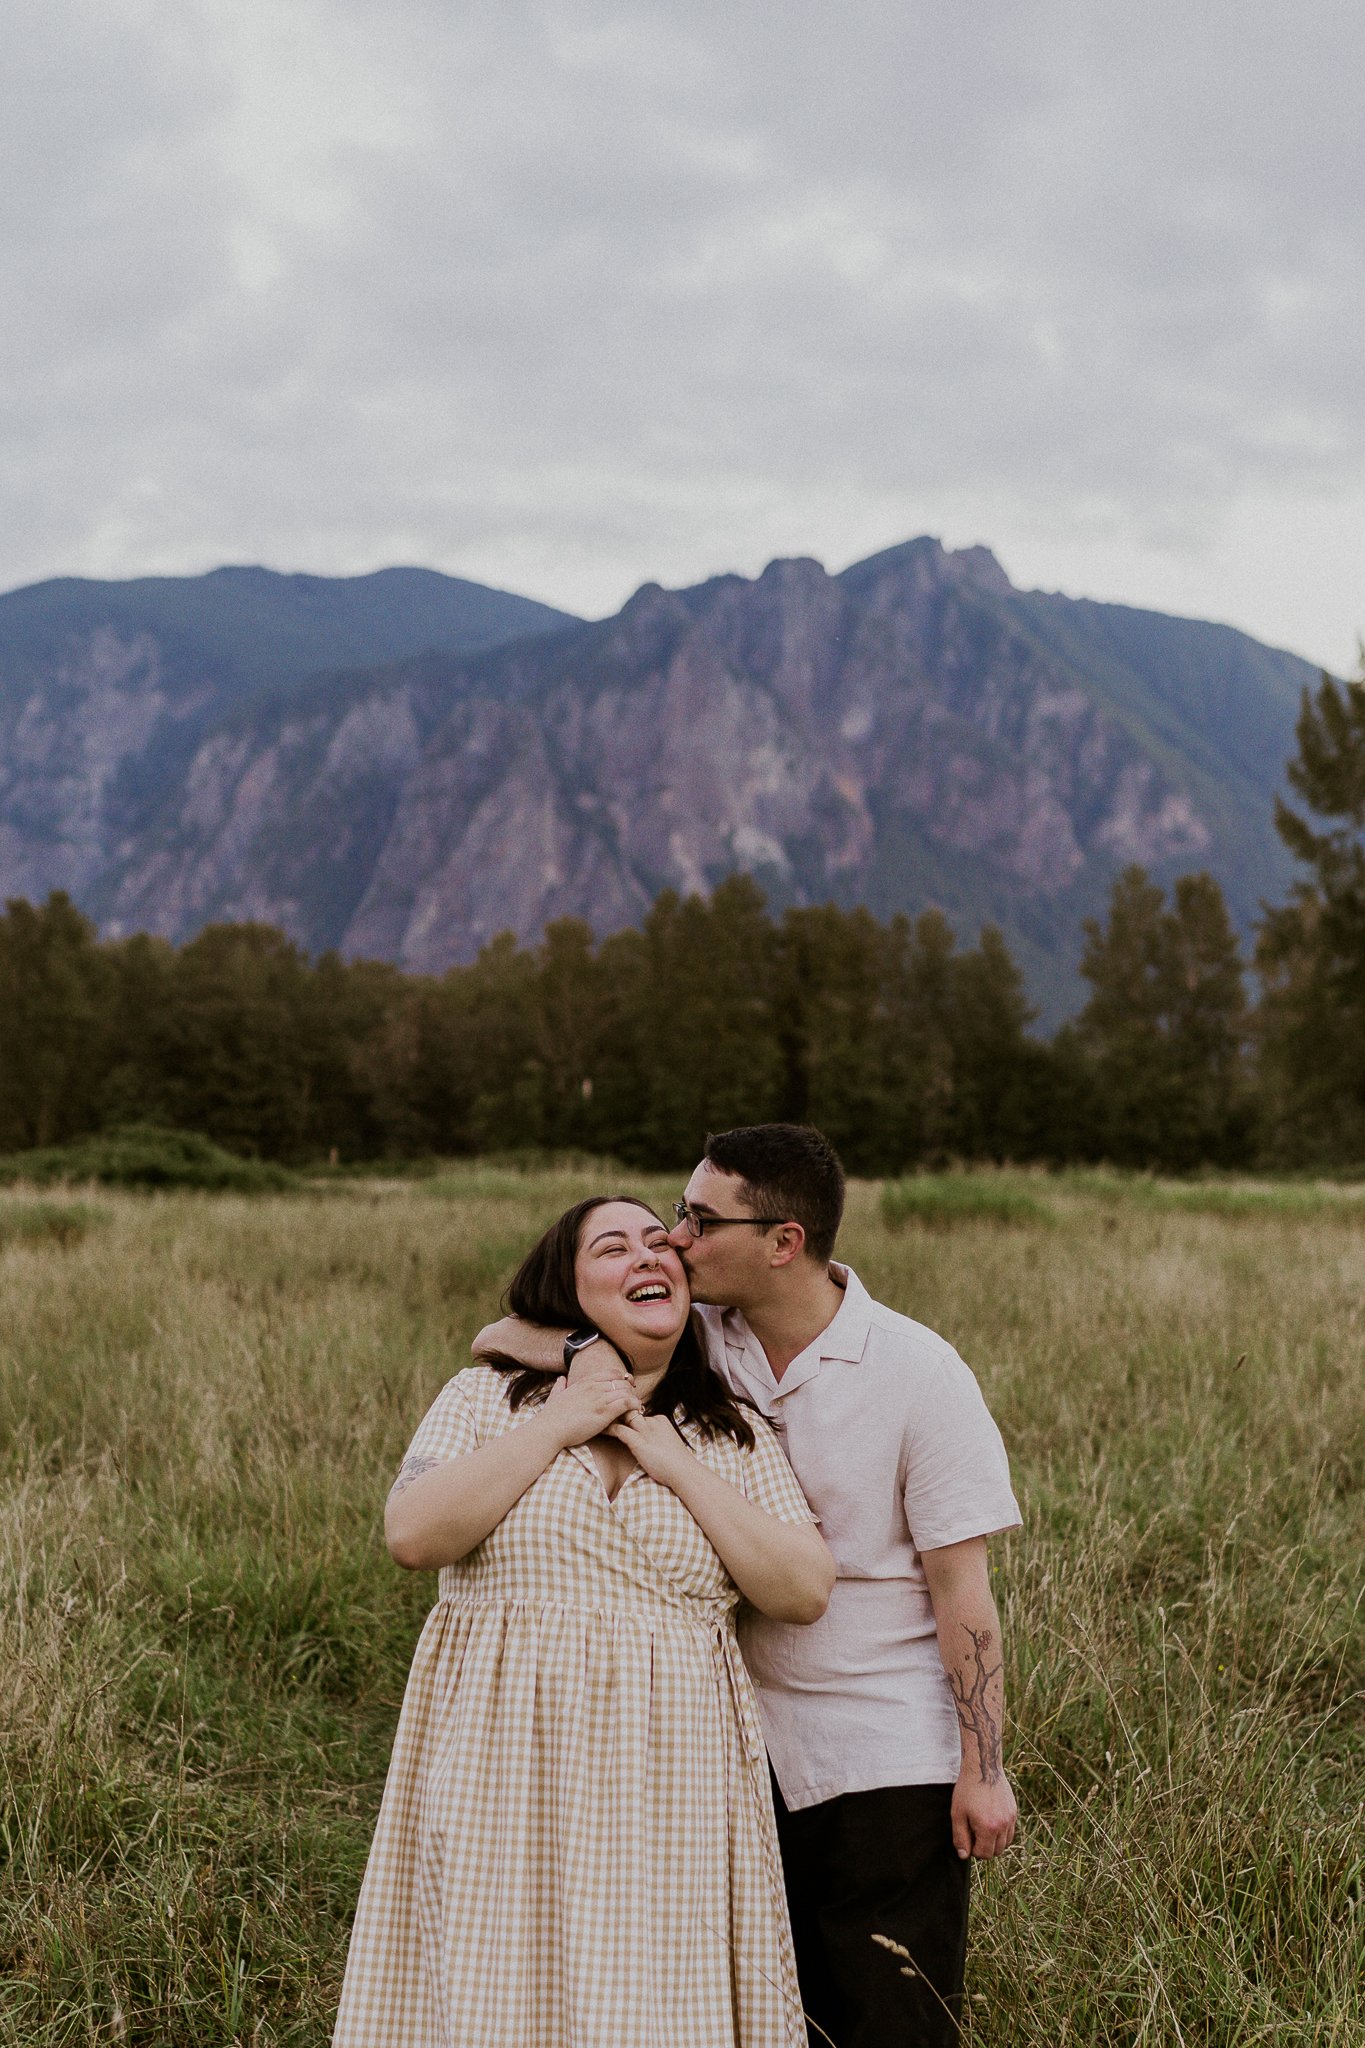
(911,730)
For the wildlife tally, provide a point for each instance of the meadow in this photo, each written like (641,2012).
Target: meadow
(203,1643)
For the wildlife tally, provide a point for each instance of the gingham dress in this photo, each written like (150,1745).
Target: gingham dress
(576,1845)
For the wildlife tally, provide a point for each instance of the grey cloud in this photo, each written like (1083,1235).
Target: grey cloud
(592,291)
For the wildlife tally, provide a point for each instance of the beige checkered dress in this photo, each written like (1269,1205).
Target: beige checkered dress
(576,1844)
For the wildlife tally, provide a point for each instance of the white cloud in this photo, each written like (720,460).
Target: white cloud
(569,295)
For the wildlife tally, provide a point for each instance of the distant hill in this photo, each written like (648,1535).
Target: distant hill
(107,690)
(252,628)
(912,731)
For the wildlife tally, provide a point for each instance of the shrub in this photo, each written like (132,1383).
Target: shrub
(146,1156)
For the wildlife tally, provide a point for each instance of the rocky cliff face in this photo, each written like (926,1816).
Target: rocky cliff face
(124,707)
(792,727)
(912,731)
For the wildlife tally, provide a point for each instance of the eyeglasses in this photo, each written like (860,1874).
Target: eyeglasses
(698,1225)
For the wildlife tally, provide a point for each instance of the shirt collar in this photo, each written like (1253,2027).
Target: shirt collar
(844,1337)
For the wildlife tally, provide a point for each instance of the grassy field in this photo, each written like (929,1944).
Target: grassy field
(203,1644)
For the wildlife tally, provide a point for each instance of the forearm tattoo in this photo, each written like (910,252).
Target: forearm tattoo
(971,1683)
(410,1469)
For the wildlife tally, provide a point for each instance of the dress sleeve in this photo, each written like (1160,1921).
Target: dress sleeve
(449,1427)
(768,1480)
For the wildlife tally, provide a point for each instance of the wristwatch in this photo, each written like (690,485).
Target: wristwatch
(578,1340)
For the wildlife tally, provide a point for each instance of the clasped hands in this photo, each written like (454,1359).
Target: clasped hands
(598,1397)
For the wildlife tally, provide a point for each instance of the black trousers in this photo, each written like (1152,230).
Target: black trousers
(882,1863)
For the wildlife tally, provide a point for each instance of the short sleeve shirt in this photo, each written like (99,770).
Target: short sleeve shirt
(896,1451)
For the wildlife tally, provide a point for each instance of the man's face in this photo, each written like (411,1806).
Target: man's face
(725,1265)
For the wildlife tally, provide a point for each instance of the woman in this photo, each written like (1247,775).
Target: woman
(576,1844)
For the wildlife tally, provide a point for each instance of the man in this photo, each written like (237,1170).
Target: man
(884,1719)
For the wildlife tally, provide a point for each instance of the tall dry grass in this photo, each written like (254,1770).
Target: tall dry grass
(203,1644)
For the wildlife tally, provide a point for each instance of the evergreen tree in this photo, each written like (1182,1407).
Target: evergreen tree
(54,1035)
(904,1049)
(831,1024)
(992,1068)
(140,1083)
(409,1071)
(493,1055)
(1166,1024)
(235,1047)
(345,1008)
(622,1052)
(571,1017)
(920,1022)
(1311,951)
(1059,1106)
(708,1028)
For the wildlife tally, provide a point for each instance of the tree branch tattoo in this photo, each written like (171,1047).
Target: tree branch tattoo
(970,1684)
(410,1469)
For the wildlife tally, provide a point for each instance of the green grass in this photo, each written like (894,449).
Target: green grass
(29,1223)
(203,1644)
(1292,1200)
(940,1201)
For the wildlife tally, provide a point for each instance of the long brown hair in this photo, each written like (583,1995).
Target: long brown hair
(544,1289)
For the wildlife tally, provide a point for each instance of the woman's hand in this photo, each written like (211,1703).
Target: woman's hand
(654,1444)
(576,1410)
(782,1568)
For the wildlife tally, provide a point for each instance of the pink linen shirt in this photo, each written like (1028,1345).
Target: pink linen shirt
(895,1449)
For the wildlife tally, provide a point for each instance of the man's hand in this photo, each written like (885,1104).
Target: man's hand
(577,1410)
(984,1816)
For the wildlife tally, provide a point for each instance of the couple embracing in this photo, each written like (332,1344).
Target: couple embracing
(705,1727)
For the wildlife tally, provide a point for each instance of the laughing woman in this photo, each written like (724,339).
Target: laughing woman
(576,1843)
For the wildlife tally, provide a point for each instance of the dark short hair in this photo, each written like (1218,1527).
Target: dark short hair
(544,1289)
(788,1170)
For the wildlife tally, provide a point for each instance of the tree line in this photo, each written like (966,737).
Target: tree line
(905,1048)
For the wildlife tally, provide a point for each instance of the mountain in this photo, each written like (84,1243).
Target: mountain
(107,690)
(912,731)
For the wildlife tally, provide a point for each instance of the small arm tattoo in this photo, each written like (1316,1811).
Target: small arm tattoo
(970,1684)
(410,1469)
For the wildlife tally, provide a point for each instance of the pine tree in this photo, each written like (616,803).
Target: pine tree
(831,1022)
(920,1024)
(571,1015)
(139,1085)
(54,986)
(708,1024)
(1166,1025)
(624,1051)
(992,1068)
(489,1011)
(235,1045)
(1310,951)
(344,1007)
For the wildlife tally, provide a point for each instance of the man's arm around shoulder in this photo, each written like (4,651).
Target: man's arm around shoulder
(527,1343)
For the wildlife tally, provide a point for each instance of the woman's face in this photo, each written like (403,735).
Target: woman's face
(630,1280)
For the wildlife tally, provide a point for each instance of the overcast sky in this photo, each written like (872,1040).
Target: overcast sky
(568,296)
